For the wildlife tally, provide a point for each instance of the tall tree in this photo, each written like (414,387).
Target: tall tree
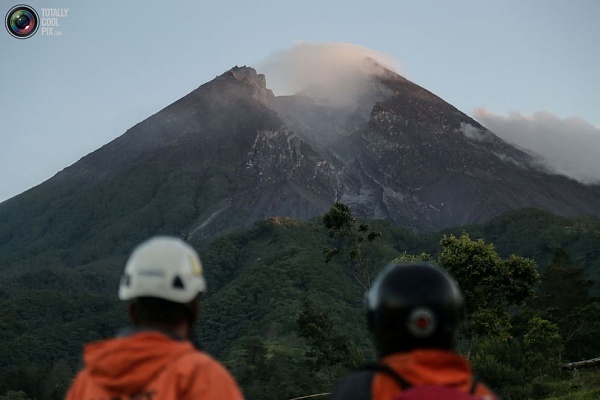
(352,236)
(326,348)
(564,298)
(489,284)
(542,348)
(272,372)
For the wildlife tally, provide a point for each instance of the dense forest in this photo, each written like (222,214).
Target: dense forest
(284,308)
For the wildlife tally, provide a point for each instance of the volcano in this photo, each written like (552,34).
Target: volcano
(231,153)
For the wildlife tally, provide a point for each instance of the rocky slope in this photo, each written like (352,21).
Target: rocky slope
(230,153)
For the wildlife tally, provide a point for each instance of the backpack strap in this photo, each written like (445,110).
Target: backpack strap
(474,386)
(387,370)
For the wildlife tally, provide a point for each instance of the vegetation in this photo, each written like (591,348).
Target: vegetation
(489,284)
(288,323)
(325,348)
(352,238)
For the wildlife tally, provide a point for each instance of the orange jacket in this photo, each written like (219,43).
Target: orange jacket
(427,367)
(417,367)
(150,365)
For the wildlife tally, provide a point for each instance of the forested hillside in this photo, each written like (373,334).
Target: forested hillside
(288,323)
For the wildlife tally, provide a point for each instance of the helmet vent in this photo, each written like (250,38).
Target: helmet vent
(177,283)
(126,280)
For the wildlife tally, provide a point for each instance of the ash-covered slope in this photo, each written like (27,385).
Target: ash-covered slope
(231,153)
(402,153)
(215,160)
(429,166)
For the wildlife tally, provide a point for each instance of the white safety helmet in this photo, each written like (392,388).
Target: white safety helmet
(163,267)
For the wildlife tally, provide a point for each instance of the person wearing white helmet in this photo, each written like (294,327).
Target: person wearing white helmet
(155,360)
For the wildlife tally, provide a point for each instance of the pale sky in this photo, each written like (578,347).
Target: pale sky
(118,62)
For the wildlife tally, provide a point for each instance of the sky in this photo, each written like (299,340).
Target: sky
(527,70)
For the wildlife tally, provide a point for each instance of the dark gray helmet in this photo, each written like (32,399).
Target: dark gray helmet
(413,305)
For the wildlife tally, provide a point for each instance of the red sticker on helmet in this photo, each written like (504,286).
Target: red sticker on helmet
(421,322)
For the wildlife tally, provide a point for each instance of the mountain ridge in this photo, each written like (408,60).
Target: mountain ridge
(230,153)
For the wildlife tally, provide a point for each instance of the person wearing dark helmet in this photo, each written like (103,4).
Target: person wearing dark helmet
(155,360)
(413,313)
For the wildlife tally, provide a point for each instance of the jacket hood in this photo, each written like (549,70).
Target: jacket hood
(436,367)
(127,364)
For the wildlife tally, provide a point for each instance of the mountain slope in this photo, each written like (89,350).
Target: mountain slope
(433,166)
(231,153)
(170,174)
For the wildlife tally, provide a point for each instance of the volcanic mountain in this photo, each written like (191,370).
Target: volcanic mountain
(231,153)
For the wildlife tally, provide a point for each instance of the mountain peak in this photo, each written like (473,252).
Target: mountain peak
(230,153)
(374,68)
(248,77)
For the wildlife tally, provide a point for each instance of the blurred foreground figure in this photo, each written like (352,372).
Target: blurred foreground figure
(155,360)
(413,314)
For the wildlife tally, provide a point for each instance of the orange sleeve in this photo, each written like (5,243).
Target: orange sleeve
(483,391)
(210,381)
(76,388)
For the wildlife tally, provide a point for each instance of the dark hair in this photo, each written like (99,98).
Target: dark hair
(155,311)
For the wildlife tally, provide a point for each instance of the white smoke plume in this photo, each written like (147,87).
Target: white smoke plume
(308,64)
(569,146)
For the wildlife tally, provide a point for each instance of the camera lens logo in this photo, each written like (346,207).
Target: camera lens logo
(22,21)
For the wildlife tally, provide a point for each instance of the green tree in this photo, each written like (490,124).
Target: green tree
(489,284)
(500,364)
(272,372)
(564,298)
(352,236)
(326,348)
(407,257)
(542,348)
